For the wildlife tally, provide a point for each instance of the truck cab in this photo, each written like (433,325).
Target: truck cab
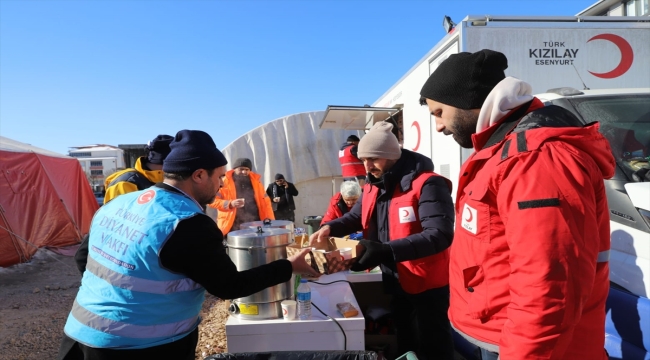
(624,117)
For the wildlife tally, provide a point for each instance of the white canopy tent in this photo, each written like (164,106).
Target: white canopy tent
(8,144)
(296,147)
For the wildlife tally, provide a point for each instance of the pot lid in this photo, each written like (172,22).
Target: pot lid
(259,237)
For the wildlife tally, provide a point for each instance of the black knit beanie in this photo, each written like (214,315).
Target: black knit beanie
(279,177)
(192,150)
(465,79)
(158,149)
(243,162)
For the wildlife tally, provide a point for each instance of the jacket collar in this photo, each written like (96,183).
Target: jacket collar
(497,132)
(154,176)
(407,167)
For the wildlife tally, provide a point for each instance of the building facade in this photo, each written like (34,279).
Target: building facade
(98,162)
(618,8)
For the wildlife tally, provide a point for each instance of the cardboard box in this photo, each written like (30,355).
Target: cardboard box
(330,260)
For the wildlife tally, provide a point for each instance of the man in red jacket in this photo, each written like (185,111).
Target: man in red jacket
(407,215)
(528,270)
(351,167)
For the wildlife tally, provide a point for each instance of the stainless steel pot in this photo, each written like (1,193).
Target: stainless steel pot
(250,248)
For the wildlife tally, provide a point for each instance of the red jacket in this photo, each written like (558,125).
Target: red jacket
(351,166)
(333,211)
(415,276)
(528,269)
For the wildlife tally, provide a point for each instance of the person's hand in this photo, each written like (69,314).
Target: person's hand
(641,175)
(320,236)
(300,265)
(237,203)
(285,184)
(276,199)
(375,254)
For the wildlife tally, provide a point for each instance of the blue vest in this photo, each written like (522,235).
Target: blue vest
(127,300)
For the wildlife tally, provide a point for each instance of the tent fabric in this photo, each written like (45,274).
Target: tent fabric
(294,146)
(45,200)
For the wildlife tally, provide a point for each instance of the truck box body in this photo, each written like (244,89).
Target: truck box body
(547,52)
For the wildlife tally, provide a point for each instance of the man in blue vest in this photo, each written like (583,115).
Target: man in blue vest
(152,255)
(407,217)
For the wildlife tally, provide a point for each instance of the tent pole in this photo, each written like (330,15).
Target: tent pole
(14,238)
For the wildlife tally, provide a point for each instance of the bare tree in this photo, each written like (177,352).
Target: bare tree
(95,181)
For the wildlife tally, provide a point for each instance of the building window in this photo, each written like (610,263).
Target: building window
(630,8)
(81,154)
(96,163)
(96,172)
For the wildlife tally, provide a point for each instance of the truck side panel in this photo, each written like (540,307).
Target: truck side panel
(419,129)
(558,57)
(545,54)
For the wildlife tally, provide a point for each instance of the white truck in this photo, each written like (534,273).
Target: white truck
(624,116)
(569,55)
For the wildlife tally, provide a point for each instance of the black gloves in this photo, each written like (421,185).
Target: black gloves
(375,254)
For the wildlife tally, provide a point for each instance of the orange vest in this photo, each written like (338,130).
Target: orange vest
(226,215)
(415,276)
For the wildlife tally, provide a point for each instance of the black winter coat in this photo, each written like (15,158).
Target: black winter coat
(436,211)
(286,195)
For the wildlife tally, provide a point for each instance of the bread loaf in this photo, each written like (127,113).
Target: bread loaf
(347,309)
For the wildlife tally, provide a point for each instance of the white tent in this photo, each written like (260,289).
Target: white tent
(8,144)
(296,147)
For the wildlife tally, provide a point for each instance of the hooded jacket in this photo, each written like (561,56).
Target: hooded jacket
(528,272)
(226,214)
(132,179)
(435,211)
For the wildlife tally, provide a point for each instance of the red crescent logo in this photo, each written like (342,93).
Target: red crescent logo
(471,217)
(627,56)
(146,196)
(407,213)
(417,129)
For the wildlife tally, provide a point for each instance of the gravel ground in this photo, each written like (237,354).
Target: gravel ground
(35,299)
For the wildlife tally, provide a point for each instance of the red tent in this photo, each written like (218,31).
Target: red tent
(45,200)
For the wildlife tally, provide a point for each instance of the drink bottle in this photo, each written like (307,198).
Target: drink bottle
(304,300)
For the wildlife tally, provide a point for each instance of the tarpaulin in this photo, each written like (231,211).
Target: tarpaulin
(293,145)
(45,200)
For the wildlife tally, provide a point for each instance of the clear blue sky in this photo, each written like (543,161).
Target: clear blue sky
(123,71)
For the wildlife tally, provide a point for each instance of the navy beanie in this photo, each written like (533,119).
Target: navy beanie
(159,149)
(192,150)
(464,80)
(243,162)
